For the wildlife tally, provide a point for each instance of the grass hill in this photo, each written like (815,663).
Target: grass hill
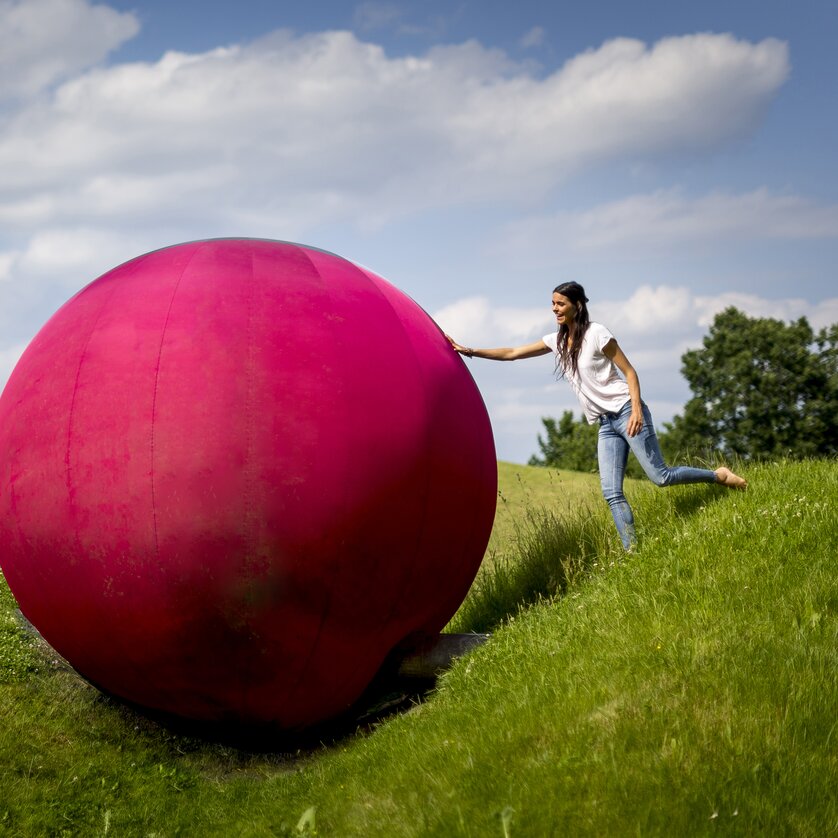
(689,688)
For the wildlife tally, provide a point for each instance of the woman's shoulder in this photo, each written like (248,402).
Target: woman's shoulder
(551,341)
(597,329)
(598,335)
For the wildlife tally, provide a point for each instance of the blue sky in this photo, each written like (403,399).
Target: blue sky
(674,158)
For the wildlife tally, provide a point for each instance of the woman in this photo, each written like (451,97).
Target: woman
(588,356)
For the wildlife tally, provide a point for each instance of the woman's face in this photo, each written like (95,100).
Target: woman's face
(564,309)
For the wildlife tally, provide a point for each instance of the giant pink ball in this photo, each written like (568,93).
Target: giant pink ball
(235,474)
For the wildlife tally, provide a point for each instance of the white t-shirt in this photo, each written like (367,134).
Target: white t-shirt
(597,384)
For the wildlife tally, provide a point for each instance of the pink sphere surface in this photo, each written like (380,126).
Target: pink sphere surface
(235,474)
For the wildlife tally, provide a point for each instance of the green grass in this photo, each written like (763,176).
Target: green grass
(550,528)
(686,689)
(521,489)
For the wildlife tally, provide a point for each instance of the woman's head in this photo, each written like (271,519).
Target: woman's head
(570,306)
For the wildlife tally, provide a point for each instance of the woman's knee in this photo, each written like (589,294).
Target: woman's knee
(614,498)
(661,479)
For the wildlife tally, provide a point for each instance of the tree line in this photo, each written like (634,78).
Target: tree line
(761,389)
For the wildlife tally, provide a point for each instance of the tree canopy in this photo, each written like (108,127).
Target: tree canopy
(567,444)
(762,389)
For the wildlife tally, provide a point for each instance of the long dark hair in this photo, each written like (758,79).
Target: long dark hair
(569,340)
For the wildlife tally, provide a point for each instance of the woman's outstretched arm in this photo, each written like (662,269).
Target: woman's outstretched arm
(503,353)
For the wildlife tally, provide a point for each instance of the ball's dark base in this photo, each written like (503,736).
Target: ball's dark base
(405,679)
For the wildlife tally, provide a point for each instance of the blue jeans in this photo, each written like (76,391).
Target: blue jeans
(612,452)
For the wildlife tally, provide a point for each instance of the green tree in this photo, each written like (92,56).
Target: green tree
(761,388)
(567,444)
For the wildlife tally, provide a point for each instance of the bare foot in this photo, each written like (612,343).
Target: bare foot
(727,478)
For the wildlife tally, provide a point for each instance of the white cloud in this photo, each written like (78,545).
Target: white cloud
(676,311)
(43,41)
(7,263)
(533,38)
(668,219)
(476,322)
(623,98)
(73,257)
(825,314)
(663,308)
(820,314)
(376,15)
(8,359)
(652,316)
(325,127)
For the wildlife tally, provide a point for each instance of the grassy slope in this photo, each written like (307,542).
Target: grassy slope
(688,688)
(520,488)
